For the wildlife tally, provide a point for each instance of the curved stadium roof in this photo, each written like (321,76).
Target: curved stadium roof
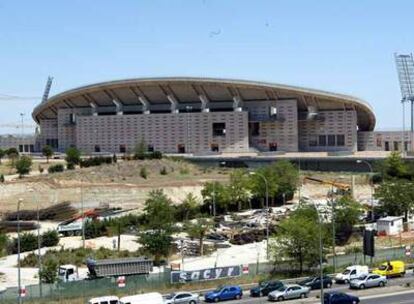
(186,90)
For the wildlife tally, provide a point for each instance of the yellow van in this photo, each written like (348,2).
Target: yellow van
(391,269)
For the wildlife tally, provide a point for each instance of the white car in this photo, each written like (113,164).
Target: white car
(350,273)
(287,292)
(370,280)
(182,298)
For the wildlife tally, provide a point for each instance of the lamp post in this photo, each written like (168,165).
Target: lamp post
(360,161)
(39,255)
(267,210)
(333,228)
(18,252)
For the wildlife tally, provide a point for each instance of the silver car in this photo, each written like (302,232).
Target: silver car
(369,280)
(182,298)
(291,291)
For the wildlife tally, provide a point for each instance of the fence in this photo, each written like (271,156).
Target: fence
(143,283)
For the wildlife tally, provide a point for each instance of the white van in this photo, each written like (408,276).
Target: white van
(350,273)
(145,298)
(104,300)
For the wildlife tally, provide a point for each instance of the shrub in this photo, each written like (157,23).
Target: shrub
(23,165)
(41,169)
(95,161)
(2,178)
(114,158)
(73,156)
(28,242)
(50,238)
(70,166)
(56,168)
(163,171)
(143,172)
(48,274)
(156,155)
(184,170)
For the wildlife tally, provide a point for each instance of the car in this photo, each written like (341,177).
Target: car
(370,280)
(224,293)
(182,298)
(315,282)
(350,273)
(391,269)
(264,288)
(104,300)
(335,297)
(287,292)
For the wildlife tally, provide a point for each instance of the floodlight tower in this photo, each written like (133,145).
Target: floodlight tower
(405,70)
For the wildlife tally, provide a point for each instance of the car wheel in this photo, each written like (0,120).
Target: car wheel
(346,281)
(280,298)
(302,295)
(329,285)
(362,286)
(261,294)
(216,300)
(381,284)
(192,302)
(238,297)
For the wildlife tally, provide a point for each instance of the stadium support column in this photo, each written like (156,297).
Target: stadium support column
(145,104)
(118,106)
(174,103)
(94,108)
(237,102)
(204,103)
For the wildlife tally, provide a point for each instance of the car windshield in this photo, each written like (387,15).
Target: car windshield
(383,267)
(263,284)
(62,271)
(218,289)
(170,296)
(363,277)
(307,280)
(346,271)
(281,288)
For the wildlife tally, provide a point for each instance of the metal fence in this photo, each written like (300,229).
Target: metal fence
(143,283)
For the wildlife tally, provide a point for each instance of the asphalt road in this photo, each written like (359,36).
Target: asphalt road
(368,296)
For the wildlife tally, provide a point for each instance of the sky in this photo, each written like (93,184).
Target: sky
(344,46)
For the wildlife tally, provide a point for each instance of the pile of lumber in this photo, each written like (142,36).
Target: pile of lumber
(59,212)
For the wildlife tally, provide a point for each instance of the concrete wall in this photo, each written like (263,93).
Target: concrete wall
(377,141)
(163,131)
(329,123)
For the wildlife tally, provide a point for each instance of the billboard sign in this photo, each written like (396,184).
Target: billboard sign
(205,274)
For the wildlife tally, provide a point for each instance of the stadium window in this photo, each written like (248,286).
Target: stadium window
(340,140)
(396,146)
(97,148)
(387,146)
(122,149)
(313,142)
(255,128)
(150,148)
(322,140)
(181,148)
(219,129)
(214,147)
(406,145)
(273,146)
(331,140)
(21,148)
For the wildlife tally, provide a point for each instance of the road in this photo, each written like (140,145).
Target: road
(396,294)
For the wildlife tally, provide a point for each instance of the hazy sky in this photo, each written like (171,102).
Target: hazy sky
(343,46)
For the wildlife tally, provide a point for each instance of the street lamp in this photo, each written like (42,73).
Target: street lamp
(39,255)
(267,209)
(360,161)
(18,252)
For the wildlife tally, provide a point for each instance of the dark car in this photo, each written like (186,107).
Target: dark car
(224,293)
(339,298)
(315,282)
(264,288)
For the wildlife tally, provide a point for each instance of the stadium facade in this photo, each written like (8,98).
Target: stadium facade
(206,116)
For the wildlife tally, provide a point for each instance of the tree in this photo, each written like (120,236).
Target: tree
(237,189)
(47,152)
(297,239)
(396,198)
(140,150)
(347,214)
(48,274)
(393,166)
(3,243)
(2,154)
(158,211)
(156,243)
(23,165)
(189,208)
(216,193)
(12,154)
(198,229)
(73,156)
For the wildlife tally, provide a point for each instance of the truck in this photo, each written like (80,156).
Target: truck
(106,268)
(391,269)
(350,273)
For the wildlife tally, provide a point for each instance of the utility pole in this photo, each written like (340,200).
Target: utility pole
(22,131)
(19,280)
(333,204)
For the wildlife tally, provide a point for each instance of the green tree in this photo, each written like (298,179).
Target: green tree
(12,154)
(47,152)
(48,274)
(238,188)
(393,166)
(216,193)
(347,214)
(3,243)
(156,243)
(2,154)
(396,198)
(140,150)
(297,239)
(23,165)
(189,208)
(158,211)
(198,229)
(73,156)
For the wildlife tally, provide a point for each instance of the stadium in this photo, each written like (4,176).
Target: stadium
(206,116)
